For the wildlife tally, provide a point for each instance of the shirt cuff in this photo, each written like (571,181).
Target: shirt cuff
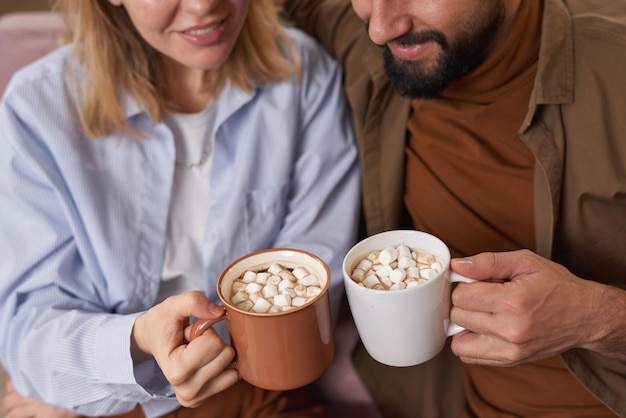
(114,362)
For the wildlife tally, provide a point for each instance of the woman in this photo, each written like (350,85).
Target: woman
(167,140)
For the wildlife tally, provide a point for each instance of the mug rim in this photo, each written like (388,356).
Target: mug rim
(310,255)
(390,232)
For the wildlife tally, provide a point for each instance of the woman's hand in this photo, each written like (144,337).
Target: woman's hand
(196,369)
(15,405)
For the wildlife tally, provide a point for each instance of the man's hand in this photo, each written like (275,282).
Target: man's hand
(196,369)
(537,310)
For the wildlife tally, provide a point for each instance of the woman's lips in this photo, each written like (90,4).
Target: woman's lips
(205,35)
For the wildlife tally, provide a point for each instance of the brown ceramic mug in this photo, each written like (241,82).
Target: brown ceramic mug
(282,350)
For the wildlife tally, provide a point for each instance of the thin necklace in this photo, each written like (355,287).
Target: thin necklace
(203,158)
(208,115)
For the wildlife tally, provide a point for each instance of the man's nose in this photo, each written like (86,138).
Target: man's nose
(388,20)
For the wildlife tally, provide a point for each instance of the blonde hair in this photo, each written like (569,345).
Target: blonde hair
(119,62)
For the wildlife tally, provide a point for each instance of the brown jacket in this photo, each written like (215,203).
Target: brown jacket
(575,126)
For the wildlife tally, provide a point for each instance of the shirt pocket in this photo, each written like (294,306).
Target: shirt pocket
(591,240)
(265,211)
(249,222)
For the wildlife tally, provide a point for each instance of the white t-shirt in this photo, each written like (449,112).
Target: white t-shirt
(189,208)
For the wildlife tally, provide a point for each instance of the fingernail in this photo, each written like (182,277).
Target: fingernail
(464,260)
(216,309)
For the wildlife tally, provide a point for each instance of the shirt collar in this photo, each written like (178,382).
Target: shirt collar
(230,100)
(554,83)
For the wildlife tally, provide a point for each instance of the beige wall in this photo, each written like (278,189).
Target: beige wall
(7,6)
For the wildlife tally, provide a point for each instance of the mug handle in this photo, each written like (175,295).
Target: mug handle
(453,328)
(201,325)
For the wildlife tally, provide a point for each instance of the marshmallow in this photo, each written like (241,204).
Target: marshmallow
(383,271)
(313,291)
(403,251)
(413,271)
(300,290)
(365,264)
(309,280)
(406,262)
(397,275)
(282,300)
(261,306)
(285,284)
(411,282)
(388,255)
(249,276)
(245,305)
(255,296)
(287,275)
(425,258)
(300,272)
(428,273)
(238,286)
(274,280)
(274,268)
(261,278)
(398,286)
(269,291)
(386,281)
(291,291)
(370,281)
(436,266)
(253,288)
(239,297)
(357,274)
(373,256)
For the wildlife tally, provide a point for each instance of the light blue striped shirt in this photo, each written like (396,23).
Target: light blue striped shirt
(83,222)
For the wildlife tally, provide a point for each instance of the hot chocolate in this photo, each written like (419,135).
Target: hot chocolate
(274,289)
(396,268)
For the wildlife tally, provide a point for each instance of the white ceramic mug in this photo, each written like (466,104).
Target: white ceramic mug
(409,326)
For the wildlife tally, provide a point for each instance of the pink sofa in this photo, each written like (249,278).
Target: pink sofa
(24,37)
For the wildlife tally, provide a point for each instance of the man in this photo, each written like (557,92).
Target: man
(498,126)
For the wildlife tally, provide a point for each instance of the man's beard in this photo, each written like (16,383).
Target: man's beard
(464,54)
